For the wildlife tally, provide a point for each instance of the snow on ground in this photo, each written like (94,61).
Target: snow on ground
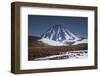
(68,55)
(63,43)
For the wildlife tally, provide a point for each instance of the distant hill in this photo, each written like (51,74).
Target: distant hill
(33,41)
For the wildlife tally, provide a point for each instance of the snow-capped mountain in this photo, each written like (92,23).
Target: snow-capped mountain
(57,35)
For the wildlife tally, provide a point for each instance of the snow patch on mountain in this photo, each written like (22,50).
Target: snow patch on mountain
(82,41)
(64,43)
(52,42)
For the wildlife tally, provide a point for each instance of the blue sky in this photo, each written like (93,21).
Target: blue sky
(38,24)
